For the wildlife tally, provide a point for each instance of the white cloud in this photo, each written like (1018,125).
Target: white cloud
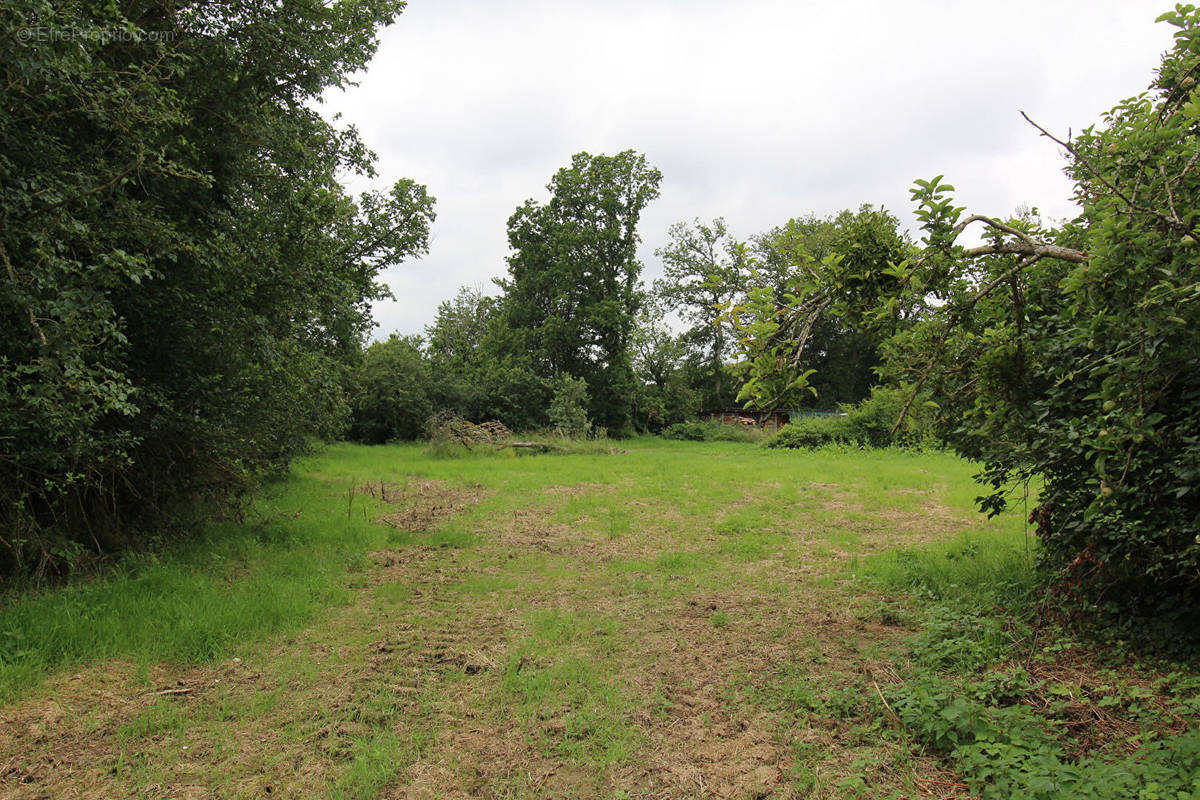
(757,111)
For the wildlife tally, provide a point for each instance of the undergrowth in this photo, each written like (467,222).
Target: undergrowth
(710,431)
(1016,704)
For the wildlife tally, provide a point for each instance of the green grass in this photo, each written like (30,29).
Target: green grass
(595,612)
(971,569)
(197,601)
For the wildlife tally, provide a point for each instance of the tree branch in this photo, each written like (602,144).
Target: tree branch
(82,195)
(995,223)
(12,276)
(1029,249)
(1095,173)
(955,315)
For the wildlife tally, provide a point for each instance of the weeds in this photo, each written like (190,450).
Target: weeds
(995,700)
(713,432)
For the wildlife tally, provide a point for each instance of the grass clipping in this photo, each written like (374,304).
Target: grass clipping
(422,503)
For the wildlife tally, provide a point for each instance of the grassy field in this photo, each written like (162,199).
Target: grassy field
(672,619)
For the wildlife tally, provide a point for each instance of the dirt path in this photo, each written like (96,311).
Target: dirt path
(575,642)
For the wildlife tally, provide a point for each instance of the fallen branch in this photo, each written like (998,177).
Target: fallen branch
(955,784)
(891,713)
(543,446)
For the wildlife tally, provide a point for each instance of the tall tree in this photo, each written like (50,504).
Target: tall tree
(181,274)
(705,271)
(457,334)
(571,294)
(660,361)
(461,353)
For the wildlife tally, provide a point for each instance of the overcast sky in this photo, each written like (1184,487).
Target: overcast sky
(757,111)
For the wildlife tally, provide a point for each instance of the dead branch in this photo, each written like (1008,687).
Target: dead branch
(1027,246)
(891,713)
(993,223)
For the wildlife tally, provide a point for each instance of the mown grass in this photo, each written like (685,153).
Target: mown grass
(592,614)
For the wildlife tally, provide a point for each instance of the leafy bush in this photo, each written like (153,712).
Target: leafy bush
(711,432)
(1080,368)
(390,392)
(809,432)
(1067,355)
(966,700)
(568,407)
(867,424)
(875,418)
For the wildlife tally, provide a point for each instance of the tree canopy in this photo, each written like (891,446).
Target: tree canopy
(182,275)
(705,271)
(572,290)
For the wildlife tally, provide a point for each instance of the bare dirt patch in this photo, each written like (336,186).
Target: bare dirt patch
(577,490)
(722,731)
(887,528)
(422,503)
(534,528)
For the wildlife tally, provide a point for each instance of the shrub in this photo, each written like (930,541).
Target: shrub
(711,432)
(568,407)
(809,432)
(390,392)
(868,424)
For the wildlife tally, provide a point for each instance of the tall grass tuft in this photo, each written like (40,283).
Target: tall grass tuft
(973,570)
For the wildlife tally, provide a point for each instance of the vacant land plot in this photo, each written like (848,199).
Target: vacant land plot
(673,620)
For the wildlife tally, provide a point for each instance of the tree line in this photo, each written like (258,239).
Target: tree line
(184,281)
(648,356)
